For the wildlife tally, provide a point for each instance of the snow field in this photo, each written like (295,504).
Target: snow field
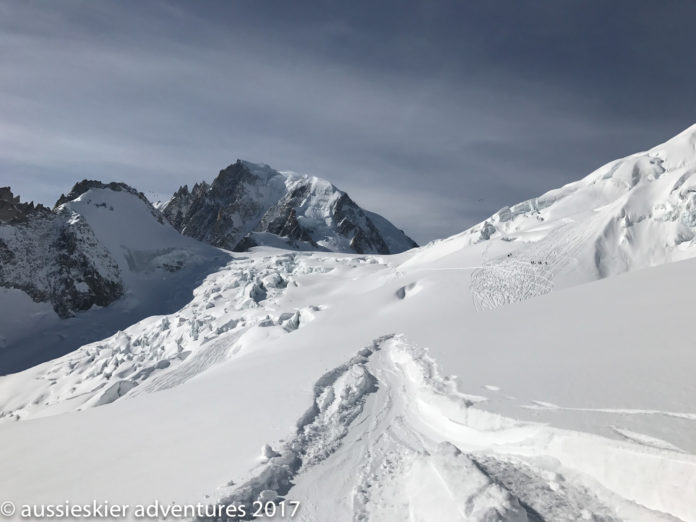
(388,438)
(564,404)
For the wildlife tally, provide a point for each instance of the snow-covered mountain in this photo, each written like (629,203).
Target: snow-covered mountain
(102,245)
(249,205)
(632,213)
(136,235)
(55,257)
(380,388)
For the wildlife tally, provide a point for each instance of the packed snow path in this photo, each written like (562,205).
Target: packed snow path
(528,270)
(389,438)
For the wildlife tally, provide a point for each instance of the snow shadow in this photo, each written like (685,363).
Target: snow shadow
(147,296)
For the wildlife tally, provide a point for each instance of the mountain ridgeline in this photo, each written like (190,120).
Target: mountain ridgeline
(103,241)
(54,256)
(249,205)
(632,213)
(100,242)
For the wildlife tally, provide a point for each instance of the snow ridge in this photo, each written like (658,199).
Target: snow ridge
(56,257)
(634,212)
(410,446)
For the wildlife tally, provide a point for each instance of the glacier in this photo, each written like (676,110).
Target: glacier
(539,366)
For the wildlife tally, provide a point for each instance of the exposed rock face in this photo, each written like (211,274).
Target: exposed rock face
(12,210)
(225,211)
(249,205)
(54,257)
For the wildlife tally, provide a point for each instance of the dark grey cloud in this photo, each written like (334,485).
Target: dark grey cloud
(432,113)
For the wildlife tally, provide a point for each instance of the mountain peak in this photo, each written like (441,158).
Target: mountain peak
(251,204)
(13,210)
(100,241)
(83,186)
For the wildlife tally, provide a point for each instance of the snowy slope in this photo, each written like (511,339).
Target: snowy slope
(133,232)
(632,213)
(371,423)
(103,248)
(249,205)
(54,257)
(372,387)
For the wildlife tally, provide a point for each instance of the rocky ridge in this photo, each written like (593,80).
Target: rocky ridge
(249,205)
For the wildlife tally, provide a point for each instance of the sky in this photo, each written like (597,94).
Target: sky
(432,113)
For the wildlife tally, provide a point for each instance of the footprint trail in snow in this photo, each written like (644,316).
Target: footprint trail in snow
(389,438)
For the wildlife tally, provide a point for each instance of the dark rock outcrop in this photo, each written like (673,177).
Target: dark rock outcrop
(247,205)
(55,259)
(13,211)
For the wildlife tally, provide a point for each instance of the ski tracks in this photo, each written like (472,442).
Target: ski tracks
(528,271)
(389,438)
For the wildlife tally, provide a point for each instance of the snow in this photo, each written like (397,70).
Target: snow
(251,204)
(632,213)
(472,378)
(316,213)
(393,237)
(159,269)
(246,367)
(137,237)
(20,315)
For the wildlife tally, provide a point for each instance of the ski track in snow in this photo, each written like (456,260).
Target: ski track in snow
(387,436)
(406,445)
(541,405)
(529,270)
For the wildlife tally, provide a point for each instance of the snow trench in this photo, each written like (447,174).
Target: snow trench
(387,437)
(339,397)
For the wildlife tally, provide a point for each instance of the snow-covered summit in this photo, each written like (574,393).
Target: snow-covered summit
(632,213)
(55,257)
(250,204)
(102,245)
(135,234)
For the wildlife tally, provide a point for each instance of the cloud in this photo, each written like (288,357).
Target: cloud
(435,114)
